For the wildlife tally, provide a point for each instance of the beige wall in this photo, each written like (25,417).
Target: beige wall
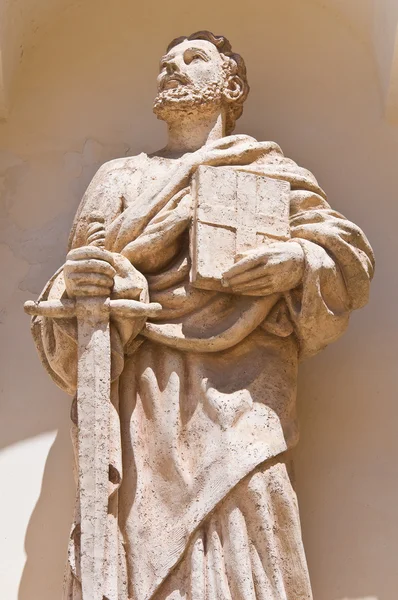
(83,96)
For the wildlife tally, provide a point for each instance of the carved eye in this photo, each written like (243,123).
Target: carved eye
(191,56)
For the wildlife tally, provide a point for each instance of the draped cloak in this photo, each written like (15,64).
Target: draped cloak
(204,394)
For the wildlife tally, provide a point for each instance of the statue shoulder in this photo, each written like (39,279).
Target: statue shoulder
(122,164)
(104,194)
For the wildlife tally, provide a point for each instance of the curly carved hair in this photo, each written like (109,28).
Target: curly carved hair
(234,65)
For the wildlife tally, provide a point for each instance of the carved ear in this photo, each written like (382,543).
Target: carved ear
(234,89)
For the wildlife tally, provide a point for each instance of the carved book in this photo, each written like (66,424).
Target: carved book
(234,211)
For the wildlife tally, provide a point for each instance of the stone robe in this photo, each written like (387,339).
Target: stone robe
(201,505)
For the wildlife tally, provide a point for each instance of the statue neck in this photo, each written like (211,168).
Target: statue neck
(189,132)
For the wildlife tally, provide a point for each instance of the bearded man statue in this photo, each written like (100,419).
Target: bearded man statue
(201,502)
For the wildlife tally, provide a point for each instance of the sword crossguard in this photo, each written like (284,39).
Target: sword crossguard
(64,309)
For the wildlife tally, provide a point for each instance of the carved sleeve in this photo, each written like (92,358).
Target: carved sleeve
(339,268)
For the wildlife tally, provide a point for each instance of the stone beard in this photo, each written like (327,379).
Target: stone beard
(199,383)
(187,97)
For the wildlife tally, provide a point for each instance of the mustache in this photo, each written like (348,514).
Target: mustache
(174,77)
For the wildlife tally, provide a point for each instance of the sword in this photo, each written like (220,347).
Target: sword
(93,410)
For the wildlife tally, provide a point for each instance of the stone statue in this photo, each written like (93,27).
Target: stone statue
(196,279)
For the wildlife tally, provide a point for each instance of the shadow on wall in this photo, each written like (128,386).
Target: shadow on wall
(49,525)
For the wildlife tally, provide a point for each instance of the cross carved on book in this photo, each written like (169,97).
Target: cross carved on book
(234,211)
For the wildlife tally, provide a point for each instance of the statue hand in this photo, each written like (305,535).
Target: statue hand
(93,271)
(272,268)
(89,271)
(128,284)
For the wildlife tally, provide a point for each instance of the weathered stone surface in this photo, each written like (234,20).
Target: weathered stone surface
(201,409)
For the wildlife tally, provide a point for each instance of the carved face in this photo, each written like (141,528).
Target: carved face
(191,74)
(196,62)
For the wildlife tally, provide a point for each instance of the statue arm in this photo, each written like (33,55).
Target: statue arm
(56,339)
(339,266)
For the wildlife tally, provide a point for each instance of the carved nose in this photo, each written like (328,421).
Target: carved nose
(171,67)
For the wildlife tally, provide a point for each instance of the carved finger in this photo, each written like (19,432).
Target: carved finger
(243,265)
(91,279)
(256,284)
(94,227)
(97,239)
(89,266)
(91,290)
(91,252)
(247,276)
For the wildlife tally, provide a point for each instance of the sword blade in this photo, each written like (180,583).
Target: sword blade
(93,406)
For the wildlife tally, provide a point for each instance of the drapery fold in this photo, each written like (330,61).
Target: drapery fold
(236,553)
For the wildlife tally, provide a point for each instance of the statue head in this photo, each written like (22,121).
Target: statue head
(201,73)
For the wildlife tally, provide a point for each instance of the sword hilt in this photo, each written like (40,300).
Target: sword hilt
(64,309)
